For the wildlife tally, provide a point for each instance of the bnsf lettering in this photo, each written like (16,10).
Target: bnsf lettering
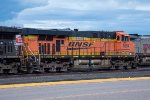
(86,44)
(80,44)
(146,46)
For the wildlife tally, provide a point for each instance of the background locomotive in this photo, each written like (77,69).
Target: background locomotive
(9,58)
(142,46)
(63,50)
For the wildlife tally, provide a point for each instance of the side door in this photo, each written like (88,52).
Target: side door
(58,44)
(53,49)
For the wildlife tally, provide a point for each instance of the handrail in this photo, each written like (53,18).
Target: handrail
(32,53)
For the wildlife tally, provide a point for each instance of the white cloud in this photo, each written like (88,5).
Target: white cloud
(83,14)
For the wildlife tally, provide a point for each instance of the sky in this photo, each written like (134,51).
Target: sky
(131,16)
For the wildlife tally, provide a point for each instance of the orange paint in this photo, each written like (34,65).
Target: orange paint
(93,46)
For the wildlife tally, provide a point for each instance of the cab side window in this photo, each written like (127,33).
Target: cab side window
(125,38)
(118,38)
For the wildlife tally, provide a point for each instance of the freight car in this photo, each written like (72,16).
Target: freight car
(63,50)
(142,46)
(9,57)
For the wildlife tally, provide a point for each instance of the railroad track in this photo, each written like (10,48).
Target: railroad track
(71,73)
(51,77)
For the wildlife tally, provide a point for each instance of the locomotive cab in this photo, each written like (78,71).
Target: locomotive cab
(124,51)
(122,37)
(125,46)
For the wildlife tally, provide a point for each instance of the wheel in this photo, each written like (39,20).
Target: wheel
(125,67)
(116,67)
(134,66)
(30,70)
(58,69)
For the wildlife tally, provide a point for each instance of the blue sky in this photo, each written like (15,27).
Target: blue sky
(132,16)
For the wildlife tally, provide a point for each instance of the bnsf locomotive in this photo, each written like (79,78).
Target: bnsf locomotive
(63,50)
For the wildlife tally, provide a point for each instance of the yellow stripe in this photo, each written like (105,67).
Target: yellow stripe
(72,82)
(91,39)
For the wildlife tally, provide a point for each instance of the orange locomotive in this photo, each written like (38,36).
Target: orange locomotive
(63,50)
